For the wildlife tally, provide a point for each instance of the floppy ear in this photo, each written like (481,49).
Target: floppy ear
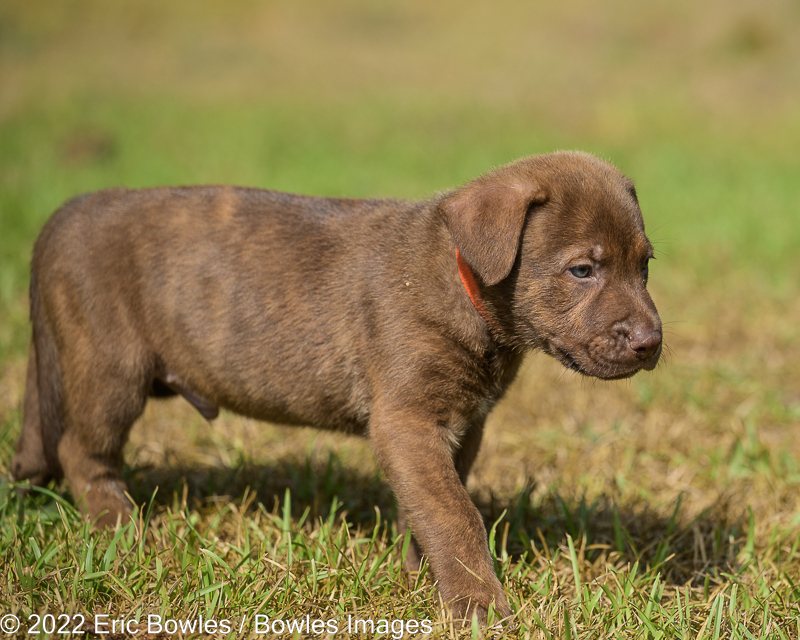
(485,218)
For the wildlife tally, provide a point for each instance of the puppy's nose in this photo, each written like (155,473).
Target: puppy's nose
(645,343)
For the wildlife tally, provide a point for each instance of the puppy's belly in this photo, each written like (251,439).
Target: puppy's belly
(276,397)
(313,409)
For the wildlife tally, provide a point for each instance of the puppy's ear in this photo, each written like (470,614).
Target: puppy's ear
(485,218)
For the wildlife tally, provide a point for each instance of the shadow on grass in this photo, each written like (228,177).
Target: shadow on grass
(684,551)
(313,484)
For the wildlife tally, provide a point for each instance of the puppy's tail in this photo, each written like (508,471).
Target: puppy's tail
(49,381)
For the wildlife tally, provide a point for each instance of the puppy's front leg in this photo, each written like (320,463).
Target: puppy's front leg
(465,455)
(414,450)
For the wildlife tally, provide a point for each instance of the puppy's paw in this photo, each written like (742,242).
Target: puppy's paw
(464,609)
(105,502)
(28,466)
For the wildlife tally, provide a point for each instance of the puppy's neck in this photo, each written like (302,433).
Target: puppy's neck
(471,287)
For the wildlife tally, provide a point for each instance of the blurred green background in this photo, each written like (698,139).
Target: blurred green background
(698,102)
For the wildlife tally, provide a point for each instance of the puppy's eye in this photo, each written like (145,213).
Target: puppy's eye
(646,269)
(581,271)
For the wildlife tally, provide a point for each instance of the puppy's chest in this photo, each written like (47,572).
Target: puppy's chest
(499,368)
(479,392)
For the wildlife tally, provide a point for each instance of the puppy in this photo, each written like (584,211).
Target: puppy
(404,322)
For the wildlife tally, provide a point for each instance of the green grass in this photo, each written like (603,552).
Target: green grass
(662,507)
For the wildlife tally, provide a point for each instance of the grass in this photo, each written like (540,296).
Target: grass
(661,507)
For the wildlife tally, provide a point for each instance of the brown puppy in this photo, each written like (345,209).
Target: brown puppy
(401,321)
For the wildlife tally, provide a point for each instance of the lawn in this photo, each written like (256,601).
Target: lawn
(666,506)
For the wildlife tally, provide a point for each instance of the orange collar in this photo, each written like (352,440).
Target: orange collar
(471,287)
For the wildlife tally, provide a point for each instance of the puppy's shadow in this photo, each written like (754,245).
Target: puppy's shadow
(313,484)
(684,551)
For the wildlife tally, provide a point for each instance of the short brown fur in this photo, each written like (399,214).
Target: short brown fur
(342,314)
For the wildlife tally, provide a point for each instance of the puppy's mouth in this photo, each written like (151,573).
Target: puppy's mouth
(604,371)
(566,358)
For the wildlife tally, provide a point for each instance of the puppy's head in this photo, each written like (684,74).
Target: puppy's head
(558,245)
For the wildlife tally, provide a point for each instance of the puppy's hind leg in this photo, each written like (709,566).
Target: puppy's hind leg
(104,397)
(36,458)
(29,461)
